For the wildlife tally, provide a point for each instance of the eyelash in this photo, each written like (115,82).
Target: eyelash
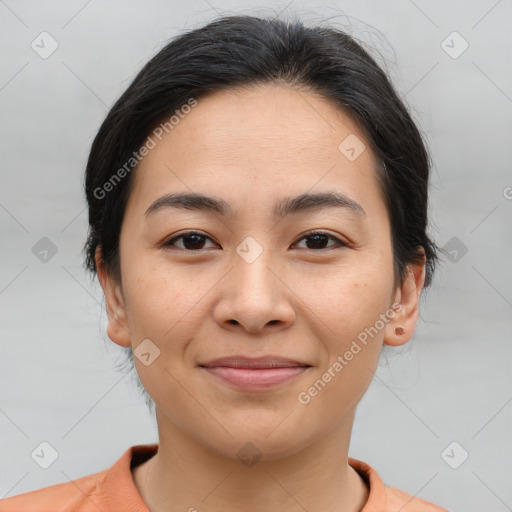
(170,242)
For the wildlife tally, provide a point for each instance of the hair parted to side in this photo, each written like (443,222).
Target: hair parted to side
(244,51)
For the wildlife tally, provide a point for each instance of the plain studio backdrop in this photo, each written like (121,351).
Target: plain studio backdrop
(437,418)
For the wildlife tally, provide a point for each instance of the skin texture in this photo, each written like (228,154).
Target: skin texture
(252,147)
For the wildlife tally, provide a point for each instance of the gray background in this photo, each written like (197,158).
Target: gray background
(452,382)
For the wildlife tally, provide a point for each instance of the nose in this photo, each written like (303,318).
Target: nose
(255,295)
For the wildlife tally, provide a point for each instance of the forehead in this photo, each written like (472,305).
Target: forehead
(270,117)
(263,138)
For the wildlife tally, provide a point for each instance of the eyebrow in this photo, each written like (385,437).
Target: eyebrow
(288,205)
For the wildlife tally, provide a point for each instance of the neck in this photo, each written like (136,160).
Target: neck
(185,475)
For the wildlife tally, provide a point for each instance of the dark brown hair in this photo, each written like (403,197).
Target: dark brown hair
(245,51)
(235,51)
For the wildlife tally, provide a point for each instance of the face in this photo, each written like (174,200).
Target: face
(263,275)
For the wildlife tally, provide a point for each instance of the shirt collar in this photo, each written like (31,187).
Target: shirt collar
(118,486)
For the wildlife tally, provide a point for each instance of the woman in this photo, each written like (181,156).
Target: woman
(258,223)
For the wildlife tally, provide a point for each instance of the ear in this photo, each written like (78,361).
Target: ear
(117,329)
(400,328)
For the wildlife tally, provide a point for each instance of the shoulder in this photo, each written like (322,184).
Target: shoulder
(79,495)
(110,489)
(384,498)
(405,502)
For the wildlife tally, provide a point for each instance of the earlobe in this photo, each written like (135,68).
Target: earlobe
(401,327)
(117,327)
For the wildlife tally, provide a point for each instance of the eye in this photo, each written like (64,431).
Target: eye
(195,241)
(192,241)
(319,238)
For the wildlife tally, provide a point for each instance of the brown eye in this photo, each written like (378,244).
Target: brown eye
(195,241)
(318,239)
(191,241)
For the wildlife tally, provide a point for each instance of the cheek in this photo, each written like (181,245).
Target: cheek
(167,304)
(159,309)
(349,298)
(156,301)
(352,306)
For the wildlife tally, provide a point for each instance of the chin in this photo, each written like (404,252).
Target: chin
(264,440)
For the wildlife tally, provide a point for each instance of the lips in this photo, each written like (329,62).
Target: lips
(254,363)
(254,374)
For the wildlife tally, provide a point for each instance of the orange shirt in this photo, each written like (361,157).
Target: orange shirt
(113,490)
